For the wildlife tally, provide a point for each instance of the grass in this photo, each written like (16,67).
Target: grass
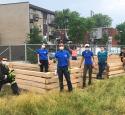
(105,97)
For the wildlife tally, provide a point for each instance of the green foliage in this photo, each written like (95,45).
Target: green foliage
(79,26)
(102,20)
(121,35)
(33,38)
(63,18)
(105,97)
(103,40)
(31,55)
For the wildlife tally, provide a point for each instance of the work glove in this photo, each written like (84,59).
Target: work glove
(39,63)
(55,72)
(54,61)
(69,69)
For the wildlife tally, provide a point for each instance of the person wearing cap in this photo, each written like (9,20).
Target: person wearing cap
(87,57)
(7,76)
(63,66)
(122,55)
(102,61)
(42,57)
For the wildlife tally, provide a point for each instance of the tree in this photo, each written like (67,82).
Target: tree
(33,38)
(102,20)
(121,36)
(63,18)
(77,26)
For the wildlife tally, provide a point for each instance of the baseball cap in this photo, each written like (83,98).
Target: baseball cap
(86,45)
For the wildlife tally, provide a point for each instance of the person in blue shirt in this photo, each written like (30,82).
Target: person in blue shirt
(87,57)
(102,61)
(42,56)
(62,56)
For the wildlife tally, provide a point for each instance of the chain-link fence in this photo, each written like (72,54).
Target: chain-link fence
(26,52)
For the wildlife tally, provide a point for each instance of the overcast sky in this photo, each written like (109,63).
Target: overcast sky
(114,8)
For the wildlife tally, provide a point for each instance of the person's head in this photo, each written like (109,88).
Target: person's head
(43,46)
(102,48)
(123,49)
(61,46)
(74,48)
(3,60)
(87,47)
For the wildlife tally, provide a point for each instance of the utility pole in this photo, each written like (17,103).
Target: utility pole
(92,13)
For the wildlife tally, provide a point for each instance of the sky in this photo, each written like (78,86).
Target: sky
(113,8)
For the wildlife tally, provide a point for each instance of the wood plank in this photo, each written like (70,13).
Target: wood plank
(34,73)
(116,72)
(54,85)
(116,68)
(117,75)
(55,79)
(31,78)
(75,70)
(32,89)
(31,83)
(65,87)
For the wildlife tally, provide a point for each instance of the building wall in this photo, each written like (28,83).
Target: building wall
(14,23)
(38,23)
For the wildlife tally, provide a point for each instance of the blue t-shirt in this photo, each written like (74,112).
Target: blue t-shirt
(42,54)
(87,54)
(62,57)
(102,56)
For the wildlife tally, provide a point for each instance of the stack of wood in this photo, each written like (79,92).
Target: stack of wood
(115,67)
(28,77)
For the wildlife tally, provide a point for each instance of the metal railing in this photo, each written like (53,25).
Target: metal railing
(22,52)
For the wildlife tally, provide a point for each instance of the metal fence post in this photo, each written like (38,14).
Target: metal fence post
(25,52)
(10,55)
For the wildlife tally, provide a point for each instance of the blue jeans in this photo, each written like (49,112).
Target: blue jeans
(102,66)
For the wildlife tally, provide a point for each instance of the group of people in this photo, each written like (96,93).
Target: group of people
(62,57)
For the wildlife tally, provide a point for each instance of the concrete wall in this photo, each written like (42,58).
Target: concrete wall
(14,23)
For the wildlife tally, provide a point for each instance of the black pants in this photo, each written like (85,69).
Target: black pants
(74,58)
(102,67)
(87,68)
(64,71)
(14,85)
(44,65)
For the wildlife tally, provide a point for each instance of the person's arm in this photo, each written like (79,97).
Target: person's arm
(37,53)
(120,54)
(5,69)
(92,57)
(107,61)
(55,60)
(69,65)
(70,49)
(38,60)
(81,61)
(48,57)
(68,58)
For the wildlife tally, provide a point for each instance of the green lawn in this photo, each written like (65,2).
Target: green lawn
(105,97)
